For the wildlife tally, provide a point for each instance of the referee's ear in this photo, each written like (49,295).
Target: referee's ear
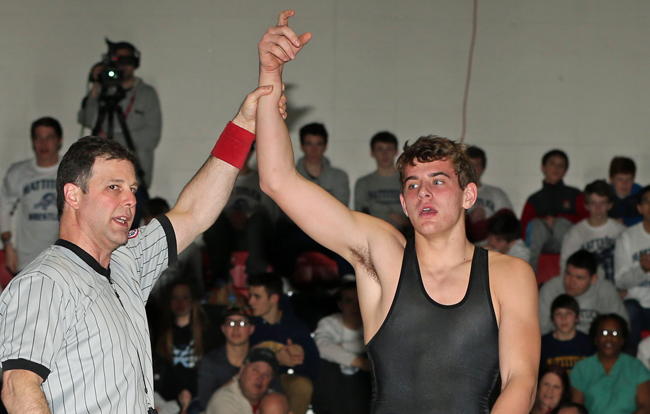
(72,193)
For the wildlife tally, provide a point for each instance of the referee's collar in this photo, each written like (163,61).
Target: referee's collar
(85,256)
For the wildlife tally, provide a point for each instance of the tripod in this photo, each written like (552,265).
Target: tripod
(109,109)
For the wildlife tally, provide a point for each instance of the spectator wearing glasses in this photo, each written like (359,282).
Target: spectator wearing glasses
(221,364)
(611,381)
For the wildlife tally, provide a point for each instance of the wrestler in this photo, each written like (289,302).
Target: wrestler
(442,319)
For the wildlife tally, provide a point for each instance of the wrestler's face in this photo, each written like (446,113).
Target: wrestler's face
(314,147)
(254,380)
(105,211)
(237,329)
(550,391)
(432,197)
(46,144)
(577,280)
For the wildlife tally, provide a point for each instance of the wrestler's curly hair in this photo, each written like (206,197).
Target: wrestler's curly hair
(434,148)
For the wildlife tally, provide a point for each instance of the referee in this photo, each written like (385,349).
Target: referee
(73,331)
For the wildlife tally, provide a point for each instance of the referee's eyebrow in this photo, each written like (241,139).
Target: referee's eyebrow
(121,181)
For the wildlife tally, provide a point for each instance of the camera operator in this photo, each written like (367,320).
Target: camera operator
(139,105)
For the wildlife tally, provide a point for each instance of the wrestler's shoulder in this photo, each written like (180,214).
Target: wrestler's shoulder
(504,267)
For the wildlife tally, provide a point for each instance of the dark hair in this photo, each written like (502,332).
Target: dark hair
(385,137)
(569,404)
(600,188)
(593,329)
(125,45)
(155,207)
(77,164)
(243,311)
(313,129)
(475,152)
(434,148)
(345,286)
(505,225)
(46,121)
(199,322)
(622,165)
(556,153)
(583,260)
(565,301)
(272,282)
(641,193)
(564,377)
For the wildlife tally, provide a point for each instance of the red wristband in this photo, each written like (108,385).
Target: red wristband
(233,145)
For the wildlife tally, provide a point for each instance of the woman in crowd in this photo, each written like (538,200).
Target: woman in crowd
(552,389)
(182,342)
(611,382)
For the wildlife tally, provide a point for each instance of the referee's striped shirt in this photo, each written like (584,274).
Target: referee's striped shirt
(62,319)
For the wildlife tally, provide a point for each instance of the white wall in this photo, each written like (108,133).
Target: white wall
(558,73)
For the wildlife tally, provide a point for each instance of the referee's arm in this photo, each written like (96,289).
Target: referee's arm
(21,392)
(207,193)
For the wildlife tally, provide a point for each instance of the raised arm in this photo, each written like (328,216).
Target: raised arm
(207,193)
(313,209)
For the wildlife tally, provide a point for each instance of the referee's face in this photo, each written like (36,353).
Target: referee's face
(106,210)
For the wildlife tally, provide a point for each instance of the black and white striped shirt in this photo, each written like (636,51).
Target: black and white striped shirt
(83,328)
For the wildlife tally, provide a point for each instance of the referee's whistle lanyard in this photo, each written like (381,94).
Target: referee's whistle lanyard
(151,410)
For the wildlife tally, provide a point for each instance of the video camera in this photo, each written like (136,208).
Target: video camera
(111,75)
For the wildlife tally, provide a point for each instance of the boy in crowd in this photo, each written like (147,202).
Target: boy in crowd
(315,167)
(504,234)
(279,330)
(29,195)
(565,346)
(344,384)
(632,264)
(597,233)
(490,201)
(622,171)
(549,213)
(377,193)
(594,295)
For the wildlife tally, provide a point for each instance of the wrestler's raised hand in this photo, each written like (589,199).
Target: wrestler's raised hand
(280,44)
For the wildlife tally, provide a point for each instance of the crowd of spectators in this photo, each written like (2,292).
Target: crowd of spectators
(218,353)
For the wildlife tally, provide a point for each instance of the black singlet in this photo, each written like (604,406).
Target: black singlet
(433,358)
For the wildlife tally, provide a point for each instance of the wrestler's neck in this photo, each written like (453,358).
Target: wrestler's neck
(443,249)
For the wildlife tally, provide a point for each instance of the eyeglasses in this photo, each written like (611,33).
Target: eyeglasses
(606,332)
(242,323)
